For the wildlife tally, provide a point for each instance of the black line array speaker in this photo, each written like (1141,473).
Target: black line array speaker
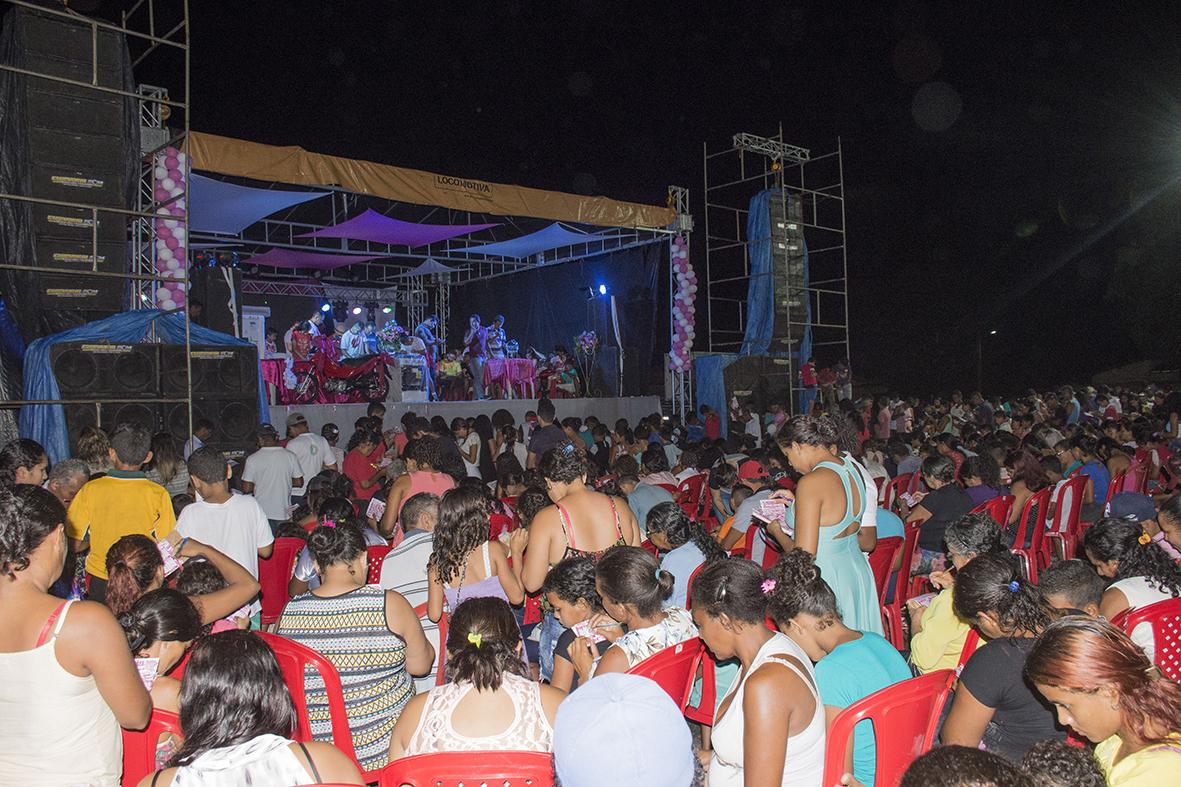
(225,389)
(787,268)
(217,287)
(76,149)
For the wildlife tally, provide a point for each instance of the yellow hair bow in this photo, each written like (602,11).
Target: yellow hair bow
(475,638)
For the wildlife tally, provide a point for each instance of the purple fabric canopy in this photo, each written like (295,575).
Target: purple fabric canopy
(218,206)
(289,258)
(376,228)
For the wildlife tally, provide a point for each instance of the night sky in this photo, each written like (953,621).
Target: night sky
(1008,166)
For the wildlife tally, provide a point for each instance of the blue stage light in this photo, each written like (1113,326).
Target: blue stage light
(602,289)
(325,307)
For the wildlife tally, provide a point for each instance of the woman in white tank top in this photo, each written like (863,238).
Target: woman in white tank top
(67,680)
(489,703)
(776,682)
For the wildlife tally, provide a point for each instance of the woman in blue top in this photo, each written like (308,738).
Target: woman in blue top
(850,665)
(685,544)
(1085,450)
(824,518)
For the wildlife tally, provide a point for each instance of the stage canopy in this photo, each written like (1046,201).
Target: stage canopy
(294,165)
(373,227)
(227,208)
(552,237)
(428,268)
(289,258)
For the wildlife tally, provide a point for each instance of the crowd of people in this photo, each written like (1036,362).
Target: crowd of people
(562,554)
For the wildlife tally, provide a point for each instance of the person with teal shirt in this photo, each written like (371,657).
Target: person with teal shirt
(850,664)
(824,516)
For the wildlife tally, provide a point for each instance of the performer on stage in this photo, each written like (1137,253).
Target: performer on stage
(476,339)
(352,343)
(425,330)
(496,338)
(370,338)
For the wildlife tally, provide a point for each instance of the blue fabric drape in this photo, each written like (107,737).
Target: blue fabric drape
(46,423)
(711,386)
(10,335)
(760,298)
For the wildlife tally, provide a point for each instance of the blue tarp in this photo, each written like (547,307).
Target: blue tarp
(711,386)
(760,298)
(217,206)
(46,423)
(554,236)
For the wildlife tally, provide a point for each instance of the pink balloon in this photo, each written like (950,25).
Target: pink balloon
(176,210)
(171,161)
(172,242)
(163,233)
(176,175)
(160,194)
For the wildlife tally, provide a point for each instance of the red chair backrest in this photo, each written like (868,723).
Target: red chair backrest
(1066,517)
(672,490)
(139,748)
(458,768)
(273,575)
(377,553)
(1117,485)
(902,581)
(689,587)
(294,658)
(895,488)
(691,495)
(882,481)
(1040,500)
(673,669)
(971,642)
(499,523)
(1165,619)
(998,508)
(904,719)
(881,559)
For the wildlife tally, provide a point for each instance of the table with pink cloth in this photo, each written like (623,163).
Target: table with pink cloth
(517,376)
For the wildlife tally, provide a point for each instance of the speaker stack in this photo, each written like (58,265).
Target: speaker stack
(77,150)
(758,379)
(787,268)
(225,389)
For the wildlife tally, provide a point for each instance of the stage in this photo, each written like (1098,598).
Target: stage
(606,409)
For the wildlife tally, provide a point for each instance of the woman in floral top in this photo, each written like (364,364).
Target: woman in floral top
(633,589)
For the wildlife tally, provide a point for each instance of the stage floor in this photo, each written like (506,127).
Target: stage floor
(607,410)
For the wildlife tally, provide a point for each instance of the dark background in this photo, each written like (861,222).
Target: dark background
(1009,166)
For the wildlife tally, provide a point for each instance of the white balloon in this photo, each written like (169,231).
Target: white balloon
(171,224)
(683,254)
(181,158)
(168,184)
(168,304)
(165,254)
(160,172)
(172,265)
(692,288)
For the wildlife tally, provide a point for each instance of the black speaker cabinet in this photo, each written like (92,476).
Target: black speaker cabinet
(216,287)
(234,422)
(95,370)
(219,372)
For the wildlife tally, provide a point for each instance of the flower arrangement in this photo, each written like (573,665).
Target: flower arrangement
(389,337)
(586,343)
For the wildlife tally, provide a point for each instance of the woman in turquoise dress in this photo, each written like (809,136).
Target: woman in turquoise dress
(824,517)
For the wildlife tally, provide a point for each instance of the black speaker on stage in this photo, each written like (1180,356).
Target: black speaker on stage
(759,379)
(97,370)
(787,270)
(72,144)
(217,287)
(225,391)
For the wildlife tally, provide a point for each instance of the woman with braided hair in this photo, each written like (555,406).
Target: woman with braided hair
(993,704)
(489,703)
(686,546)
(1104,688)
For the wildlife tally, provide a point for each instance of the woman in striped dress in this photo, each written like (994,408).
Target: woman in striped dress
(370,635)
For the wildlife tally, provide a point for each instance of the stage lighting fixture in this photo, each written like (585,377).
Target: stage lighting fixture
(325,307)
(340,311)
(386,309)
(602,289)
(356,310)
(589,292)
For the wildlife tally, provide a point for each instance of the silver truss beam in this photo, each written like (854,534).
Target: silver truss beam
(776,149)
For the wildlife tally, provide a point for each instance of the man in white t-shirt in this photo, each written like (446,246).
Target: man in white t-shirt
(404,568)
(312,451)
(270,474)
(233,524)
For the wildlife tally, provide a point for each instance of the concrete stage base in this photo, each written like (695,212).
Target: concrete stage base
(607,410)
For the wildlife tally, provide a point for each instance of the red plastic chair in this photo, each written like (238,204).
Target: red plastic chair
(881,560)
(673,669)
(672,490)
(1066,527)
(892,612)
(904,719)
(273,575)
(691,495)
(771,553)
(294,659)
(1034,556)
(999,508)
(882,482)
(1165,619)
(1116,486)
(377,554)
(894,489)
(456,769)
(139,748)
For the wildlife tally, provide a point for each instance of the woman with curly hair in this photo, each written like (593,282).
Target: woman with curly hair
(424,462)
(489,702)
(826,516)
(982,478)
(993,704)
(1141,572)
(464,563)
(850,664)
(23,461)
(570,589)
(372,636)
(1105,688)
(685,544)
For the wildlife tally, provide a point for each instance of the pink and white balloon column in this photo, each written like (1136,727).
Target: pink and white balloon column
(683,311)
(171,239)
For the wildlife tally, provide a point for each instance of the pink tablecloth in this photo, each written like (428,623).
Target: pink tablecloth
(518,373)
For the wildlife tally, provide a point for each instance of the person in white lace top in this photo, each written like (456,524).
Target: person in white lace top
(633,588)
(489,702)
(238,719)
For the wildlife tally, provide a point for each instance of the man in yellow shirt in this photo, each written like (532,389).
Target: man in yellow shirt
(123,502)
